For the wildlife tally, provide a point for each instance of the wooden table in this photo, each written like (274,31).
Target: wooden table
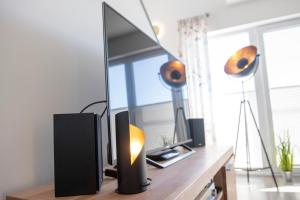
(184,180)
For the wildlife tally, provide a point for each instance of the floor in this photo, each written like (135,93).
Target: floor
(262,188)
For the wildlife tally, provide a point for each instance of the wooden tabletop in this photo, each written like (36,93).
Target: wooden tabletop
(182,181)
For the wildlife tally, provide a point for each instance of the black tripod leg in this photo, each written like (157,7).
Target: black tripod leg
(263,145)
(175,127)
(247,144)
(238,129)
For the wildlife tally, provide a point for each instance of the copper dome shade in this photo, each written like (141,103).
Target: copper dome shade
(243,63)
(173,73)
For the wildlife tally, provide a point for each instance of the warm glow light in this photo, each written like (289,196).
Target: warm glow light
(158,29)
(173,73)
(137,141)
(248,53)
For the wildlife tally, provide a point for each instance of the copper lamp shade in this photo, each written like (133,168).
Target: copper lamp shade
(243,63)
(173,73)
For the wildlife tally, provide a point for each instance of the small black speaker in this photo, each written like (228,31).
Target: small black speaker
(197,132)
(77,154)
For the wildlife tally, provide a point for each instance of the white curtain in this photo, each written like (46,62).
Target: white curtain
(193,52)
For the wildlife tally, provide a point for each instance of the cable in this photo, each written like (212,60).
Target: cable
(96,102)
(105,109)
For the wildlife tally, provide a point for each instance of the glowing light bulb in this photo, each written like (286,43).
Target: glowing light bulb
(137,141)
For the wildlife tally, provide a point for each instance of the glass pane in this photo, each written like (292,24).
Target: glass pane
(117,89)
(283,66)
(227,96)
(147,71)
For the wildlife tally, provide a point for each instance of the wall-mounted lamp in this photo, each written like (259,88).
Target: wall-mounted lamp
(156,29)
(131,158)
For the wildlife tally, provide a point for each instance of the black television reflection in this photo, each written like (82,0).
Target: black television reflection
(147,81)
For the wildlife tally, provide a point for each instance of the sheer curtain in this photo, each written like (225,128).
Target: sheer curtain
(193,52)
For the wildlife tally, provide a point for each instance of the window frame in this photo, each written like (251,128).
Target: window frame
(128,61)
(264,78)
(264,109)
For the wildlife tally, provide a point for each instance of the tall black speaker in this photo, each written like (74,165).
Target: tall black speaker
(77,154)
(197,132)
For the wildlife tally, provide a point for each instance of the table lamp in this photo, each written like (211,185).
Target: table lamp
(131,158)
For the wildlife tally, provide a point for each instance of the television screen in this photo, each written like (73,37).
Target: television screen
(145,80)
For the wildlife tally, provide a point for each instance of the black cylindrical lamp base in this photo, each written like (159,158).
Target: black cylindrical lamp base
(131,158)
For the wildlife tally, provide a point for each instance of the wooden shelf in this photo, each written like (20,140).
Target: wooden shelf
(182,181)
(220,196)
(204,194)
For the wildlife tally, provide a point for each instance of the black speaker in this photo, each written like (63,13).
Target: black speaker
(77,154)
(197,132)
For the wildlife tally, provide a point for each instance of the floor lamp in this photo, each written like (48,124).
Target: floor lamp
(243,64)
(172,73)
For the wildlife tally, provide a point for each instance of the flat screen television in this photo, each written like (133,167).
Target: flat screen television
(135,84)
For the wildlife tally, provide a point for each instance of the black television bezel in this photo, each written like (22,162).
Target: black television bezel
(105,42)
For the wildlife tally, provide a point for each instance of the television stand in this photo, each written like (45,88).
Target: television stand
(188,179)
(167,157)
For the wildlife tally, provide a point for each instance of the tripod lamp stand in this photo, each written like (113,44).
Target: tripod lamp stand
(243,64)
(173,74)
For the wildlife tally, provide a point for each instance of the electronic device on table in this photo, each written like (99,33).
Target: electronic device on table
(77,154)
(148,82)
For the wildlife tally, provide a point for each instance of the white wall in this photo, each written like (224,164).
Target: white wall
(168,12)
(51,61)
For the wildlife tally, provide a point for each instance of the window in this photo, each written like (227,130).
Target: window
(148,83)
(117,89)
(274,92)
(283,67)
(138,75)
